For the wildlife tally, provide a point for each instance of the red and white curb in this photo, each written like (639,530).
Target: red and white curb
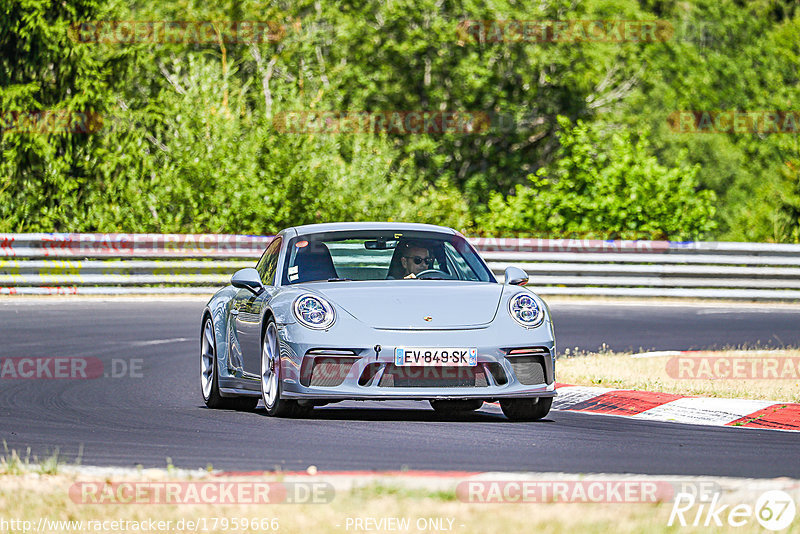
(679,408)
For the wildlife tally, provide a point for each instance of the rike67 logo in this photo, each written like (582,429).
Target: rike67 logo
(773,510)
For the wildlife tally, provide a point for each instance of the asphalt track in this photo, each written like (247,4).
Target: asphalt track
(157,413)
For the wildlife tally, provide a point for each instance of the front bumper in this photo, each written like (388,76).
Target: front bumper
(362,373)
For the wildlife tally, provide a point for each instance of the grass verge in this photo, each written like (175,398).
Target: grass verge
(707,374)
(378,507)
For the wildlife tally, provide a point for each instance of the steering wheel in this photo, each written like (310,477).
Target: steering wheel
(422,274)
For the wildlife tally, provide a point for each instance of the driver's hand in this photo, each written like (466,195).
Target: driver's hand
(410,275)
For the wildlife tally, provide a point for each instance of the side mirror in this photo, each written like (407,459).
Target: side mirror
(516,276)
(248,279)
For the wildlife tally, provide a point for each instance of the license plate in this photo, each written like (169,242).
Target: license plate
(435,357)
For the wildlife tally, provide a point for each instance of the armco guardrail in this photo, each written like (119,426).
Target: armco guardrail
(107,264)
(177,263)
(753,271)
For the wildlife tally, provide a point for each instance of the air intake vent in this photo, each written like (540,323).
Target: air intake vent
(325,371)
(432,377)
(369,373)
(498,373)
(529,370)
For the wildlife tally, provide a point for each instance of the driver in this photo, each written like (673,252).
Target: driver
(415,257)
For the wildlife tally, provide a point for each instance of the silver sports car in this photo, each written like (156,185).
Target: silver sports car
(376,311)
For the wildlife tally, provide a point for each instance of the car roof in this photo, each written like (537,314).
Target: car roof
(392,226)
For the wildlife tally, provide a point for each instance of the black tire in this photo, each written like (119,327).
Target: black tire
(456,406)
(276,406)
(214,398)
(526,409)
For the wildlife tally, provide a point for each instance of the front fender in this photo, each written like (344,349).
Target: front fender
(218,307)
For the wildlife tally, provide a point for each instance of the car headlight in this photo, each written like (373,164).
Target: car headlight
(525,310)
(314,312)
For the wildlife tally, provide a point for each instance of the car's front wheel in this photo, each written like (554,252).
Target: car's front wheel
(526,409)
(209,375)
(271,382)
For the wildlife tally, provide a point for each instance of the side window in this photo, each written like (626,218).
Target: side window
(268,263)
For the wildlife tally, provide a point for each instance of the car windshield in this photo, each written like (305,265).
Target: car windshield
(376,255)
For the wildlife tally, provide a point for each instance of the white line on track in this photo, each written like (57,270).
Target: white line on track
(747,310)
(158,341)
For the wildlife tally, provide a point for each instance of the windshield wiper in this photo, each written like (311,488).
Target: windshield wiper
(339,280)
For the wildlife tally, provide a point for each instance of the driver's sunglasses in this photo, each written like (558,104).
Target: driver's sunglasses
(418,260)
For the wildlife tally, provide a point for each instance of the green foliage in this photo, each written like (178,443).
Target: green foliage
(43,175)
(786,218)
(605,185)
(188,142)
(726,55)
(217,164)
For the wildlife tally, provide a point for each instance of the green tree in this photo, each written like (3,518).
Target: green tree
(724,55)
(604,184)
(44,175)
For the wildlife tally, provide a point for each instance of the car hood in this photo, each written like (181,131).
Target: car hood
(405,304)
